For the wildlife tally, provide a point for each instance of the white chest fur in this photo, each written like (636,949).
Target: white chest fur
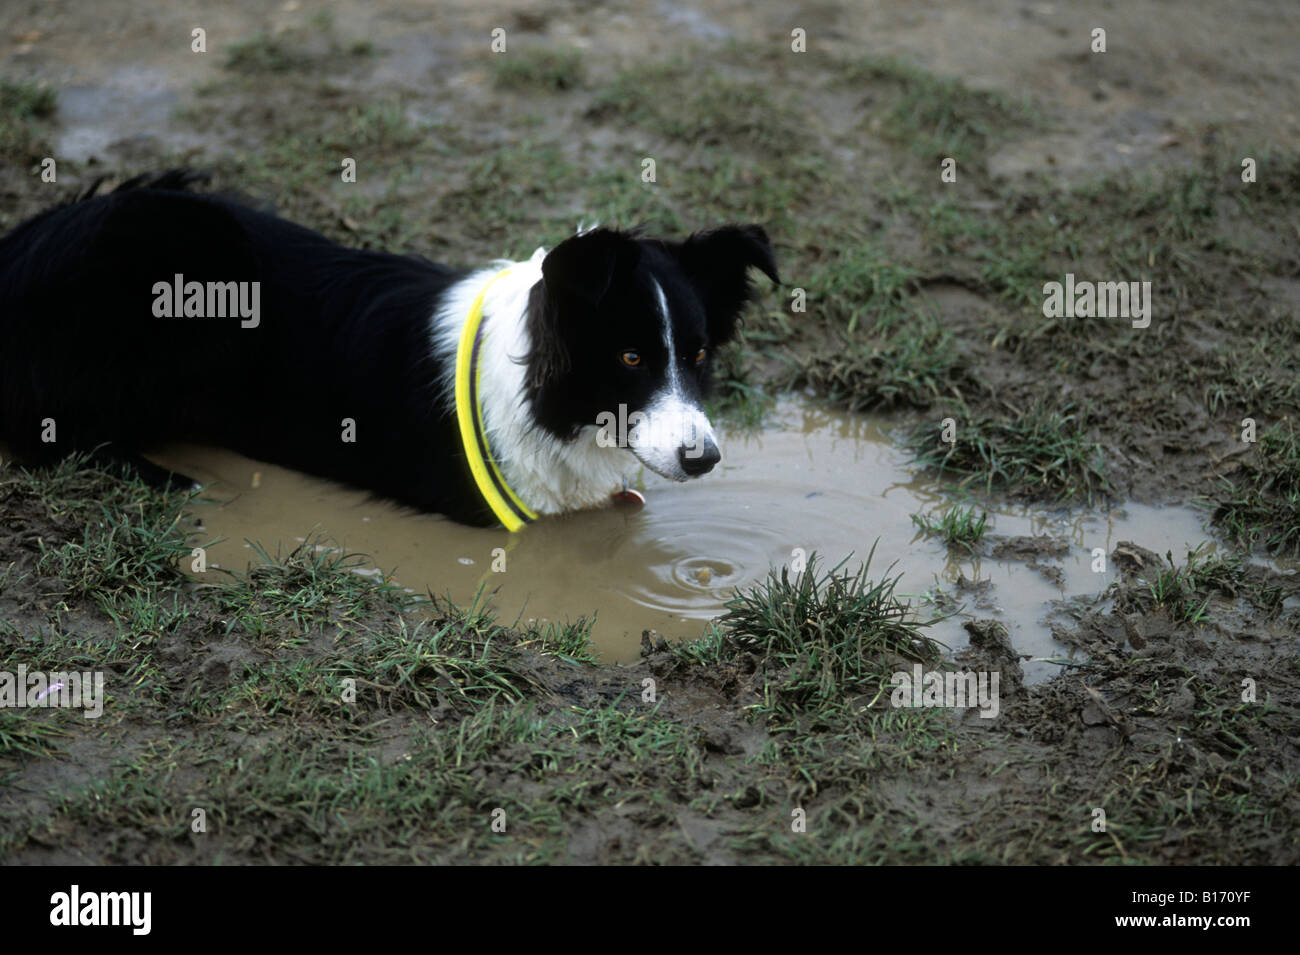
(548,474)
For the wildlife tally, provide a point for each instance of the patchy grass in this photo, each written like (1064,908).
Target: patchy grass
(263,53)
(461,660)
(861,284)
(823,636)
(738,398)
(1187,591)
(314,581)
(23,99)
(28,733)
(128,536)
(1184,592)
(910,367)
(508,188)
(938,116)
(570,641)
(24,106)
(538,69)
(1041,452)
(1262,506)
(312,48)
(685,106)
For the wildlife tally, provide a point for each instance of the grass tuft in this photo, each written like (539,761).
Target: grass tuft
(263,53)
(22,99)
(23,104)
(1263,505)
(539,69)
(129,536)
(314,582)
(448,659)
(910,368)
(1040,453)
(956,525)
(25,732)
(823,636)
(568,641)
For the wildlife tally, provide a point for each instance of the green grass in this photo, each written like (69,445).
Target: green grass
(738,398)
(30,733)
(1253,377)
(129,537)
(461,660)
(1136,226)
(313,48)
(570,641)
(24,107)
(313,582)
(454,720)
(538,69)
(308,798)
(1167,800)
(120,551)
(23,99)
(940,116)
(824,635)
(957,525)
(910,367)
(683,106)
(382,124)
(509,189)
(1040,452)
(1262,506)
(638,737)
(262,53)
(1185,592)
(1175,589)
(863,283)
(362,131)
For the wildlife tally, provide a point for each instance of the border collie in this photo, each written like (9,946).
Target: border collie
(155,313)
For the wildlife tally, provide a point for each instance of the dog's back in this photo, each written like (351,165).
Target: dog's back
(87,360)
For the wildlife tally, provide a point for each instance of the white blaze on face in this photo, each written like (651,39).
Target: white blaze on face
(673,423)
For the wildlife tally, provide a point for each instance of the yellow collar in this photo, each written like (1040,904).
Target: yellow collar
(509,510)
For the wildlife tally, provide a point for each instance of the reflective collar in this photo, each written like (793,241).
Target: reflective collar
(505,504)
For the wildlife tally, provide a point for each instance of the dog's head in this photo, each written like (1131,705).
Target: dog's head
(624,331)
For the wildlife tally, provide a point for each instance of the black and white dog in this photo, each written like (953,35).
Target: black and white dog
(155,313)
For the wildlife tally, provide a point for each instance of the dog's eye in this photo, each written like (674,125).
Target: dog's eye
(630,358)
(699,355)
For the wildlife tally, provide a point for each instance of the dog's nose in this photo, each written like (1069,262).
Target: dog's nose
(697,460)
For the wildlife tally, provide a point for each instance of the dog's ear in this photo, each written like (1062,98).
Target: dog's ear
(576,276)
(582,267)
(718,262)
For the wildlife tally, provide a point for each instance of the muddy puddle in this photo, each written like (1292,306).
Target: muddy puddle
(812,480)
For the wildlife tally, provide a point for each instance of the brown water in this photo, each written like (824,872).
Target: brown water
(814,480)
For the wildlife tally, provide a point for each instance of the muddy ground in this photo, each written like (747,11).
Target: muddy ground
(305,715)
